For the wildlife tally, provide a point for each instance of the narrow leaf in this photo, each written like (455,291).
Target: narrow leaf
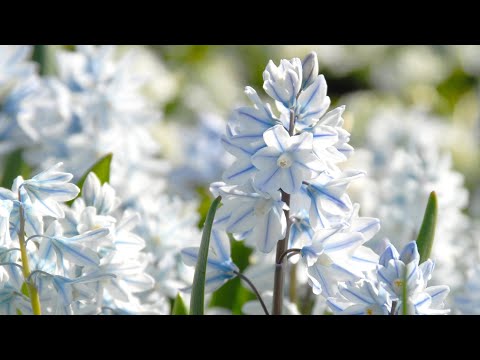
(198,288)
(42,54)
(179,307)
(427,230)
(101,168)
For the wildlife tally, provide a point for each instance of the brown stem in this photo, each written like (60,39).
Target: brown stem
(279,278)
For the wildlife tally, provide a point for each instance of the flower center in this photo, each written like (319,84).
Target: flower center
(262,207)
(284,161)
(324,260)
(398,283)
(369,311)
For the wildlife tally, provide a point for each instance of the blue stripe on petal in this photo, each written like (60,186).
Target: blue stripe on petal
(241,172)
(312,96)
(356,295)
(277,139)
(256,119)
(223,253)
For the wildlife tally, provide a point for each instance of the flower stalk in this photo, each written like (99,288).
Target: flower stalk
(279,278)
(33,293)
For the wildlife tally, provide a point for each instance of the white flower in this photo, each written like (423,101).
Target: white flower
(256,217)
(48,188)
(361,298)
(284,82)
(286,162)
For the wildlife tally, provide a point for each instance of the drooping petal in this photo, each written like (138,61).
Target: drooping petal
(76,253)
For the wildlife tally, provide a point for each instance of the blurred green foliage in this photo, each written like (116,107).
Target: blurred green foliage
(14,166)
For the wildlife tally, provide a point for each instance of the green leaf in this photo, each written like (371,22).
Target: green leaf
(14,166)
(101,168)
(42,54)
(179,307)
(198,288)
(427,230)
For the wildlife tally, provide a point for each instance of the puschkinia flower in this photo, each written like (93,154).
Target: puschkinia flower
(337,254)
(283,82)
(38,197)
(80,261)
(220,267)
(48,188)
(286,161)
(361,298)
(398,277)
(254,216)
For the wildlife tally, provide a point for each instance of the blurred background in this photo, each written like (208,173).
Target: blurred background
(412,112)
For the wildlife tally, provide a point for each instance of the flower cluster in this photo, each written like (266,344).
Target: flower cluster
(82,259)
(398,286)
(285,176)
(286,189)
(95,105)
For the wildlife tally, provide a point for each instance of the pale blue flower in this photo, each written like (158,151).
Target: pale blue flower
(242,168)
(335,256)
(328,242)
(361,298)
(330,140)
(130,276)
(220,267)
(48,188)
(380,289)
(313,102)
(102,197)
(251,122)
(73,249)
(286,162)
(326,198)
(33,220)
(284,82)
(256,217)
(68,290)
(301,231)
(430,301)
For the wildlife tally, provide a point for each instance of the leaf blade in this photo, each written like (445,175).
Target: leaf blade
(198,287)
(179,307)
(426,234)
(101,168)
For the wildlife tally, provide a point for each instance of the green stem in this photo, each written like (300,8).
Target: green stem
(34,297)
(405,293)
